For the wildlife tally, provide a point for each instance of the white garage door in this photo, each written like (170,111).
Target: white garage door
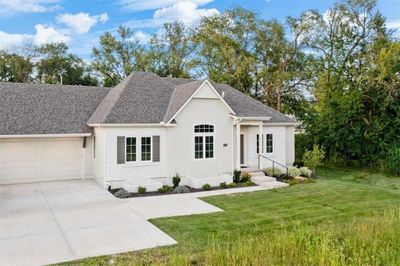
(31,160)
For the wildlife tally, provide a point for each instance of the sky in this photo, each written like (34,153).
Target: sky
(79,23)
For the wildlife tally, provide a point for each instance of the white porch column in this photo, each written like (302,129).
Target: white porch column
(260,139)
(238,146)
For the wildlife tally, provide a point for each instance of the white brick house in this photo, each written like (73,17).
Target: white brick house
(139,133)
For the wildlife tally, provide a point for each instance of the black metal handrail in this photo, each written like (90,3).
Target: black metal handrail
(273,164)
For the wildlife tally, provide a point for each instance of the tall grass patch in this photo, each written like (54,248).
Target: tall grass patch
(370,240)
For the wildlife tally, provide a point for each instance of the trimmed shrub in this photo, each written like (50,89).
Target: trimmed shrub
(176,180)
(293,182)
(247,184)
(245,177)
(142,190)
(206,187)
(236,176)
(165,189)
(181,189)
(231,185)
(223,185)
(122,193)
(393,160)
(294,171)
(304,171)
(275,172)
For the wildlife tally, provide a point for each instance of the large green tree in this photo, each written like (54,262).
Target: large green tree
(171,51)
(16,66)
(55,64)
(117,56)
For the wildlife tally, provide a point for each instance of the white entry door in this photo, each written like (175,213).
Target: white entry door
(33,160)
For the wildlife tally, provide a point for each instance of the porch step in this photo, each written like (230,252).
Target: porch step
(259,180)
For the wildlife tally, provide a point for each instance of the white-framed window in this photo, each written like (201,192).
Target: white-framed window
(204,141)
(130,149)
(146,149)
(269,144)
(94,148)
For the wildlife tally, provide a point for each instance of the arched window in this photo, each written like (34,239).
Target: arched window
(203,141)
(203,128)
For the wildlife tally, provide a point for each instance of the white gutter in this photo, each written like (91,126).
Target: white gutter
(161,124)
(283,124)
(47,135)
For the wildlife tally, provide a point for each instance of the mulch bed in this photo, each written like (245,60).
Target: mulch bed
(156,193)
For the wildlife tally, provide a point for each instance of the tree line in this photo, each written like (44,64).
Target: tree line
(337,72)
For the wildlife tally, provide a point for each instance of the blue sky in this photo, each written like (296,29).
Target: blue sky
(81,22)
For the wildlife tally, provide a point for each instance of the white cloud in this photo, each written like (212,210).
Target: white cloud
(28,6)
(9,40)
(140,5)
(186,12)
(394,24)
(81,22)
(48,35)
(142,37)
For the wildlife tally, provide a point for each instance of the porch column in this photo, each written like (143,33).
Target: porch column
(238,146)
(260,139)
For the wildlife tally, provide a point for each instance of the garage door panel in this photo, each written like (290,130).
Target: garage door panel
(19,171)
(32,160)
(19,153)
(64,168)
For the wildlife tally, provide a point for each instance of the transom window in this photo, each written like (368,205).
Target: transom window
(269,143)
(146,148)
(130,149)
(204,141)
(203,128)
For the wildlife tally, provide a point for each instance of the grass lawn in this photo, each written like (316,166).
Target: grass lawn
(346,217)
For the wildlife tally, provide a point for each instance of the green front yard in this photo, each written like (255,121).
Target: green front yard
(346,217)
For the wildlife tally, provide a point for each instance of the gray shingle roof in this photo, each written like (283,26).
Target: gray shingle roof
(140,98)
(47,109)
(147,98)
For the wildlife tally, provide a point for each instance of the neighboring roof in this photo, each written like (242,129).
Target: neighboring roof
(147,98)
(47,109)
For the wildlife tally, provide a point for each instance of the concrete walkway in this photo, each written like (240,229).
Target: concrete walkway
(50,222)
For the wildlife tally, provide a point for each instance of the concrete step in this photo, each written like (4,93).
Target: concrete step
(258,173)
(262,179)
(273,184)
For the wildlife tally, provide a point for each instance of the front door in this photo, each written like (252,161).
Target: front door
(241,149)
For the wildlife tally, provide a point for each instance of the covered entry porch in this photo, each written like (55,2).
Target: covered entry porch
(259,143)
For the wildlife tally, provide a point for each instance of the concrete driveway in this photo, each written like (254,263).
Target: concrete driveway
(50,222)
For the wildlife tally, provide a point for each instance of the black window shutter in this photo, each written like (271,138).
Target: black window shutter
(120,150)
(156,148)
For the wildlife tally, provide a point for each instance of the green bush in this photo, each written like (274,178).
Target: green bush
(293,182)
(176,180)
(393,161)
(294,171)
(223,185)
(236,176)
(142,190)
(276,172)
(247,184)
(304,171)
(206,187)
(245,177)
(313,158)
(165,189)
(232,185)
